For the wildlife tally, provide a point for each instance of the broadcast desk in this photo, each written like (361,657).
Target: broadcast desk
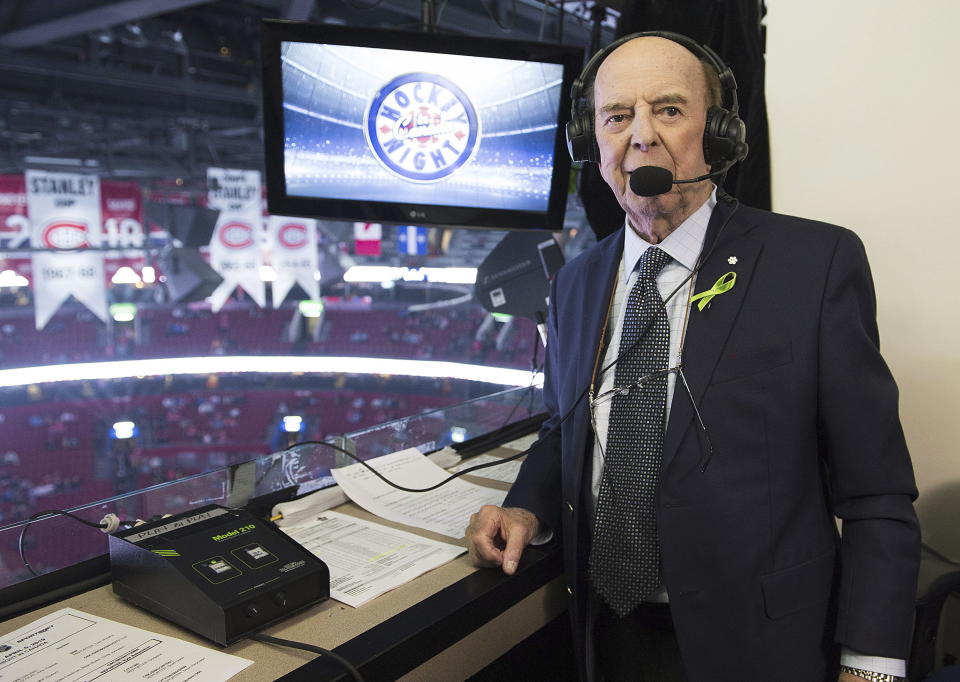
(445,625)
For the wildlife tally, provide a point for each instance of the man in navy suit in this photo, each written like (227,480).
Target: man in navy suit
(780,416)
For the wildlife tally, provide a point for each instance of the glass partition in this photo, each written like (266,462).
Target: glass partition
(162,389)
(308,466)
(57,542)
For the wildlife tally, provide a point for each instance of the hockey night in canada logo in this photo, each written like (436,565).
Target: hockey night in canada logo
(422,127)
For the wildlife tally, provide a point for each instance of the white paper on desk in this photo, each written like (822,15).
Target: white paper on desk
(70,646)
(367,559)
(445,510)
(523,442)
(506,472)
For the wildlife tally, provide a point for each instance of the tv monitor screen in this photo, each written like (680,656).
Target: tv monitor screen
(392,126)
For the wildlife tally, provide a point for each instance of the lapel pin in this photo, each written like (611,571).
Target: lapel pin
(732,260)
(721,286)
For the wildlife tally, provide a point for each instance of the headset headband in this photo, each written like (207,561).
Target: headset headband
(724,134)
(728,84)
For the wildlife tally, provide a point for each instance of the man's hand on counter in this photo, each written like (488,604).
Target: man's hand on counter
(497,536)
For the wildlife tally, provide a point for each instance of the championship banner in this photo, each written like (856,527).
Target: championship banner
(366,238)
(295,256)
(14,224)
(235,248)
(64,210)
(122,211)
(14,227)
(121,205)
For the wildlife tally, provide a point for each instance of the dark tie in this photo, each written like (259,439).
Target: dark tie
(625,557)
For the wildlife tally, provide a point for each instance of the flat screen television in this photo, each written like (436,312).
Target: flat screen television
(400,127)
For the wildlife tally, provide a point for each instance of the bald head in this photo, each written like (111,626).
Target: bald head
(634,49)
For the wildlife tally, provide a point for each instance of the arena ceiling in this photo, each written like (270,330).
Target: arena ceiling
(156,90)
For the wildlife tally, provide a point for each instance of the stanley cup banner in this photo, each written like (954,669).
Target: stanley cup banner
(235,248)
(64,210)
(295,256)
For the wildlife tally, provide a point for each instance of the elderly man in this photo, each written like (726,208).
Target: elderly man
(716,397)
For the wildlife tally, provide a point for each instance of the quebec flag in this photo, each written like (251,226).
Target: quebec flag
(412,240)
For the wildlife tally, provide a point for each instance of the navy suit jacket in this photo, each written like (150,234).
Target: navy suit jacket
(801,413)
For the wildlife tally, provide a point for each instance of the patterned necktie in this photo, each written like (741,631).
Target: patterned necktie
(625,558)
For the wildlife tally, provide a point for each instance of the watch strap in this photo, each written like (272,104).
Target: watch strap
(871,675)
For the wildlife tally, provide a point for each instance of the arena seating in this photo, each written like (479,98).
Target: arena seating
(74,335)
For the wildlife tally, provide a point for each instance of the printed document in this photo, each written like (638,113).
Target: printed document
(367,559)
(73,646)
(445,510)
(506,472)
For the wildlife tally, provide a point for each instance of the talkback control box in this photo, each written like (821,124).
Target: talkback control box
(219,572)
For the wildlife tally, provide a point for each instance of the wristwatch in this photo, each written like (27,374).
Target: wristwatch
(872,676)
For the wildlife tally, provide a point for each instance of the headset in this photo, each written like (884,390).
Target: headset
(724,135)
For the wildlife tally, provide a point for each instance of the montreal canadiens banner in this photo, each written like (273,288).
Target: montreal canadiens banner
(122,211)
(121,208)
(14,225)
(295,258)
(236,245)
(65,213)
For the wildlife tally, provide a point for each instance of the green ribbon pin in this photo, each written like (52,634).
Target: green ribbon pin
(721,286)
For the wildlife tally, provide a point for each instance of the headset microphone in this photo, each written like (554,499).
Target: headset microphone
(651,181)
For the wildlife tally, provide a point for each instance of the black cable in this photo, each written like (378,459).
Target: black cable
(705,460)
(700,263)
(529,392)
(267,639)
(523,394)
(48,513)
(625,353)
(400,487)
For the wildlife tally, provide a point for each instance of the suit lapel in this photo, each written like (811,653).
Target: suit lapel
(602,270)
(708,330)
(599,274)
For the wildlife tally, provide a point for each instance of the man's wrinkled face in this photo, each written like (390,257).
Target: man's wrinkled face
(650,102)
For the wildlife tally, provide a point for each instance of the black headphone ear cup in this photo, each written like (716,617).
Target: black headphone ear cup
(723,137)
(707,136)
(581,140)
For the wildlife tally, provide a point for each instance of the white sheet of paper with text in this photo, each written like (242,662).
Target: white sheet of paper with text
(72,646)
(506,472)
(445,510)
(367,559)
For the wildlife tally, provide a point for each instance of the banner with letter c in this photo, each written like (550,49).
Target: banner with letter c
(236,245)
(64,210)
(295,258)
